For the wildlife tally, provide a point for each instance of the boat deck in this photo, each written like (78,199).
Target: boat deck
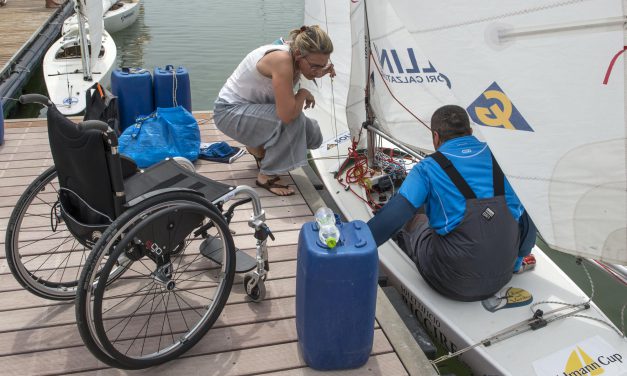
(40,337)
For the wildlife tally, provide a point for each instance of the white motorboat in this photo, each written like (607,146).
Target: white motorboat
(70,65)
(531,75)
(118,15)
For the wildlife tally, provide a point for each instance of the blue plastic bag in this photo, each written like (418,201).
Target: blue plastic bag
(167,132)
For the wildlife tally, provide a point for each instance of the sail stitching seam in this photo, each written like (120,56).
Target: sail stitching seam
(497,17)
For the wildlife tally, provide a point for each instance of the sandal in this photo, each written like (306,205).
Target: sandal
(272,183)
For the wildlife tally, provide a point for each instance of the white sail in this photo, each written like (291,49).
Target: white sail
(92,10)
(531,76)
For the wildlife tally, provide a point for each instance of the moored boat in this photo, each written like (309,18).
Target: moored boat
(544,132)
(118,15)
(70,65)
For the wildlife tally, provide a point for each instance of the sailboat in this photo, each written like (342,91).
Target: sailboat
(79,59)
(118,15)
(544,83)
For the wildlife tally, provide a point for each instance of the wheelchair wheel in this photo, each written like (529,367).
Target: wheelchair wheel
(171,294)
(42,254)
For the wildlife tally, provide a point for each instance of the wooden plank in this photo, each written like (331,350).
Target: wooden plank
(18,21)
(385,364)
(275,254)
(63,314)
(199,360)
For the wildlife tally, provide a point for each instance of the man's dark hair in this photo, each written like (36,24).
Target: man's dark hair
(450,122)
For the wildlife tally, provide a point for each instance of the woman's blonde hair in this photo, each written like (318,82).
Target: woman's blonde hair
(310,39)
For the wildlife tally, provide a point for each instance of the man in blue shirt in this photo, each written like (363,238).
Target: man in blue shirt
(476,231)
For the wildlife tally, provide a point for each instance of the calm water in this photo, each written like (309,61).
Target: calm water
(215,35)
(210,39)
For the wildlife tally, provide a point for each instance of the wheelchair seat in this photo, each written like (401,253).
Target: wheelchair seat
(170,174)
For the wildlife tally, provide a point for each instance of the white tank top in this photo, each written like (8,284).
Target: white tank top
(247,84)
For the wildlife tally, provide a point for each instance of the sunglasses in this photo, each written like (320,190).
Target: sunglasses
(317,67)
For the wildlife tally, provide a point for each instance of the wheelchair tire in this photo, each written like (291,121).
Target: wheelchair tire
(42,254)
(163,305)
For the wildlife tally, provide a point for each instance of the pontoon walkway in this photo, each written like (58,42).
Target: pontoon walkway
(40,337)
(27,29)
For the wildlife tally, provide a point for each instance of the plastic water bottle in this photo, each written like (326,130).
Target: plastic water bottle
(328,232)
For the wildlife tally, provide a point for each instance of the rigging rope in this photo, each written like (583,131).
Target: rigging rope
(611,66)
(333,115)
(392,94)
(524,326)
(174,87)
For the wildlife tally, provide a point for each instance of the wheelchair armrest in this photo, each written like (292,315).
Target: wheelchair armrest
(157,192)
(94,124)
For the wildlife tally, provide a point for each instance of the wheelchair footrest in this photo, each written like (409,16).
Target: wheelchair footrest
(213,251)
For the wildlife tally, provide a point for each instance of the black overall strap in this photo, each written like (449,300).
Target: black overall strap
(454,175)
(498,178)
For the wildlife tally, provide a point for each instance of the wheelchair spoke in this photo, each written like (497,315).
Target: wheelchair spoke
(126,297)
(146,324)
(189,305)
(162,306)
(192,278)
(198,295)
(181,311)
(49,252)
(166,316)
(51,236)
(135,311)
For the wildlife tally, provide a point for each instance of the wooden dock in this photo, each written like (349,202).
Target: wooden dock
(40,337)
(27,29)
(19,20)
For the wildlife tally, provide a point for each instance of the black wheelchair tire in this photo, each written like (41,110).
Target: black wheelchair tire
(93,333)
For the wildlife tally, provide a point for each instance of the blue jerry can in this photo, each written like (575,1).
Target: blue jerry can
(166,79)
(336,293)
(133,87)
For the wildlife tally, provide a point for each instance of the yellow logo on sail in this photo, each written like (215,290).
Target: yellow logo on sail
(497,115)
(493,108)
(580,363)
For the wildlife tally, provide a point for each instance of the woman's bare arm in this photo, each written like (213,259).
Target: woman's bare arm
(279,66)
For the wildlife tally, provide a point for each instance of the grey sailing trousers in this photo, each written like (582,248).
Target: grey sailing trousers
(257,125)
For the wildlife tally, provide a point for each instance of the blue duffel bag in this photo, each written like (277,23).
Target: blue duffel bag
(167,132)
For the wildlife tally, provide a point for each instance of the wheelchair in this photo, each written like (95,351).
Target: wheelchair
(147,254)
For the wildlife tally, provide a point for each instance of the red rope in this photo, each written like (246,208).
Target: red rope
(392,94)
(609,69)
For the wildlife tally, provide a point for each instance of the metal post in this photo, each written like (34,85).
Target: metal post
(85,56)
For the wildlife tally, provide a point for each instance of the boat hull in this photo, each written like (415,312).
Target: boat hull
(456,325)
(64,79)
(114,20)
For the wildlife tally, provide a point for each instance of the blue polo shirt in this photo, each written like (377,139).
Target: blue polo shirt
(427,183)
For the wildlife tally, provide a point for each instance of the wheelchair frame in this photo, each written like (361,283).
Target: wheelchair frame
(98,238)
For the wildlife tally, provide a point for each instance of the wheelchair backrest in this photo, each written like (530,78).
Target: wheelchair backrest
(83,161)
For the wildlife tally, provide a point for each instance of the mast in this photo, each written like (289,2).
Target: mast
(371,140)
(85,56)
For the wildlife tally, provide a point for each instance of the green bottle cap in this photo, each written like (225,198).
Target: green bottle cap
(331,242)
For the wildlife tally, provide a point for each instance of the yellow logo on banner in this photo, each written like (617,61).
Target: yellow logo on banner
(580,363)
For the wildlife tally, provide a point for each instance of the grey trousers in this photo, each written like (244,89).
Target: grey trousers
(258,125)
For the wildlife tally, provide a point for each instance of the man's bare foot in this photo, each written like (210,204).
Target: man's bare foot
(272,184)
